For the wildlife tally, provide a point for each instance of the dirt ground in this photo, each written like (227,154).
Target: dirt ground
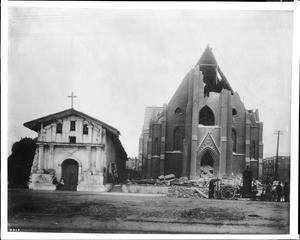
(54,211)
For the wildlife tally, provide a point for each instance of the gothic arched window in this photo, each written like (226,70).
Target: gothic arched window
(233,136)
(253,150)
(85,129)
(206,116)
(59,128)
(177,140)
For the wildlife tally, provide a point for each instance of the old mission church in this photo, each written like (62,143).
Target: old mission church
(204,124)
(74,148)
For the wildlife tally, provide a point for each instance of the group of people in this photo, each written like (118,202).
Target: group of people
(272,192)
(113,176)
(276,192)
(58,184)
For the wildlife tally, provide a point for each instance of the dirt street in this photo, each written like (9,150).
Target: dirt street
(54,211)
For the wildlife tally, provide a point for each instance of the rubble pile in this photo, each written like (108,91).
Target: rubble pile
(198,188)
(234,180)
(206,172)
(187,192)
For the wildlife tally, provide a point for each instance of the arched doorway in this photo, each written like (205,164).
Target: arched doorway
(70,175)
(206,164)
(207,160)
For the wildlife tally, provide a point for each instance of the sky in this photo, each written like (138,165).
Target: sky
(119,61)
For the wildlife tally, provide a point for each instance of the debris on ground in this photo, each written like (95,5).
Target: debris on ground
(206,171)
(186,192)
(169,177)
(201,193)
(198,188)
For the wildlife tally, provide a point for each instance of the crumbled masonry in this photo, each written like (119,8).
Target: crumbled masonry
(184,188)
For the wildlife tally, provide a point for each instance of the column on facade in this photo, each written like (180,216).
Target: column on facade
(98,160)
(141,150)
(223,132)
(88,158)
(145,154)
(53,132)
(80,130)
(40,134)
(101,135)
(149,151)
(197,77)
(79,172)
(58,174)
(102,160)
(162,146)
(247,140)
(51,160)
(41,158)
(229,151)
(260,151)
(90,134)
(65,130)
(187,134)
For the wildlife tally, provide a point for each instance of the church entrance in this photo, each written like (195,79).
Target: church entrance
(207,160)
(206,164)
(70,175)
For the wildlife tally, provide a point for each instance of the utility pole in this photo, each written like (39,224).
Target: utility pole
(278,133)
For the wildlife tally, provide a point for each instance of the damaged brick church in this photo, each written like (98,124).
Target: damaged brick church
(205,124)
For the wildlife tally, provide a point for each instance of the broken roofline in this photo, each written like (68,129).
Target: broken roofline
(35,124)
(208,59)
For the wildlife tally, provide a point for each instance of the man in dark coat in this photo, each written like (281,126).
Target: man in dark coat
(279,191)
(211,189)
(286,192)
(247,181)
(269,192)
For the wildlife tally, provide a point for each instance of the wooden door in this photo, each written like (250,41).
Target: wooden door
(70,175)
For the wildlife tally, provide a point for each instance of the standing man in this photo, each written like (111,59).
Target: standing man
(269,192)
(286,192)
(247,181)
(279,191)
(211,189)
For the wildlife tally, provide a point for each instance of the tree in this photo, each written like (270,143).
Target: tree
(20,161)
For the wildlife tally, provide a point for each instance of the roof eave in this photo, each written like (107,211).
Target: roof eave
(35,124)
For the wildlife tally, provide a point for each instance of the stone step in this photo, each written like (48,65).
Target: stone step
(116,188)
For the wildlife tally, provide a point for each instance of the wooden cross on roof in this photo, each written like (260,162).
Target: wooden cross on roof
(72,96)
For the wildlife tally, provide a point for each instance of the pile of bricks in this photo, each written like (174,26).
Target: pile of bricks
(187,192)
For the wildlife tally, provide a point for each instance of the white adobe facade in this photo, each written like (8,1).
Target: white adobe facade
(76,147)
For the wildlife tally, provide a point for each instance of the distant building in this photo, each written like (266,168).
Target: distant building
(204,124)
(133,164)
(283,168)
(77,148)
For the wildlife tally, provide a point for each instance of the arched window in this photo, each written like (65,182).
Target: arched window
(233,136)
(177,140)
(59,128)
(234,112)
(253,150)
(85,129)
(206,116)
(156,146)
